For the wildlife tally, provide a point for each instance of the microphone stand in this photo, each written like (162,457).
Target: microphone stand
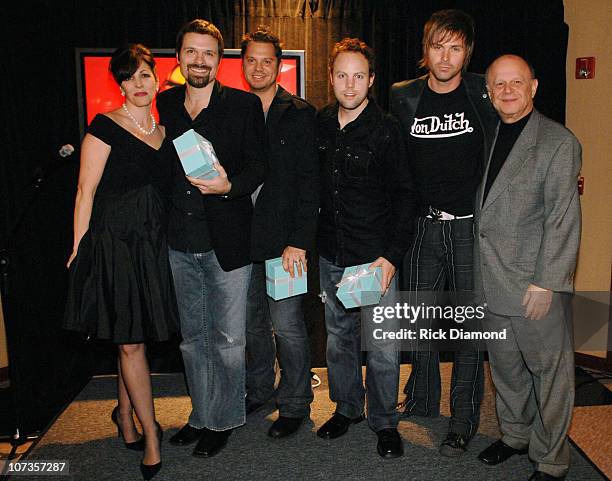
(18,436)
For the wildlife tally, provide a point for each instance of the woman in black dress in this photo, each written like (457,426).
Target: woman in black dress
(121,285)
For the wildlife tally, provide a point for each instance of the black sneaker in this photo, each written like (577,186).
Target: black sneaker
(454,445)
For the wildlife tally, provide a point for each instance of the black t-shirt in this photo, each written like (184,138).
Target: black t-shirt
(445,148)
(506,138)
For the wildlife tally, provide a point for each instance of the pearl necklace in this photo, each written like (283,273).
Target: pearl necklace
(142,130)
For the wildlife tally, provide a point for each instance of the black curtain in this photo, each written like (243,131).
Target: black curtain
(533,30)
(39,112)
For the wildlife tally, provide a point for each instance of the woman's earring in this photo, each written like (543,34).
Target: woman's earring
(122,93)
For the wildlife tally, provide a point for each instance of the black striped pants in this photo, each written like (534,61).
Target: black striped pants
(441,257)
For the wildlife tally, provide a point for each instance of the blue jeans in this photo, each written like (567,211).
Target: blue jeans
(442,254)
(344,357)
(292,347)
(212,310)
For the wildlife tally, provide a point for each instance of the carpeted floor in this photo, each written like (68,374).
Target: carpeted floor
(85,436)
(591,432)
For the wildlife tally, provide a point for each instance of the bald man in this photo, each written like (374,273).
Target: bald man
(527,222)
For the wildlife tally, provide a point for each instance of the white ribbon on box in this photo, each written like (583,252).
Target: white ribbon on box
(354,281)
(201,147)
(287,280)
(205,148)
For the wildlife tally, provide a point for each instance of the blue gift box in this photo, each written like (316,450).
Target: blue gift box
(279,284)
(197,155)
(360,286)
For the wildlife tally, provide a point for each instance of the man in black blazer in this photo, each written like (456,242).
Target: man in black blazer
(209,235)
(284,224)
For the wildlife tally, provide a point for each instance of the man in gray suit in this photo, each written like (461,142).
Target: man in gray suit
(527,237)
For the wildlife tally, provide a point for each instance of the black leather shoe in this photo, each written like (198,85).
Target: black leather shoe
(284,426)
(252,406)
(498,452)
(187,435)
(134,445)
(211,443)
(540,476)
(337,425)
(454,445)
(390,443)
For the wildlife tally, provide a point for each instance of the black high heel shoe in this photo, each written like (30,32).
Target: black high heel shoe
(148,471)
(135,445)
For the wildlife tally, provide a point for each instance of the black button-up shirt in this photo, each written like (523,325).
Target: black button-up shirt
(367,193)
(234,123)
(188,229)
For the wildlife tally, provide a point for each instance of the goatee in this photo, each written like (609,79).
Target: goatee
(198,82)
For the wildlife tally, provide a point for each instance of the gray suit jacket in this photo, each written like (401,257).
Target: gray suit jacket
(528,230)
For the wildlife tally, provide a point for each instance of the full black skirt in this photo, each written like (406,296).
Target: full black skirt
(121,286)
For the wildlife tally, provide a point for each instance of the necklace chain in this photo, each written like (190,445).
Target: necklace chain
(140,127)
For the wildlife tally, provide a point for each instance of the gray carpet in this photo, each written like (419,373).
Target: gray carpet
(85,436)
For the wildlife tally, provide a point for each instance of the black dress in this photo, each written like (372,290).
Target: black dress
(121,286)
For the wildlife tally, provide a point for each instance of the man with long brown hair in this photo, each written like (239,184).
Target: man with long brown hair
(448,123)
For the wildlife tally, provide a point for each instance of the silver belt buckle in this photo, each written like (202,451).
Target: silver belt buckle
(435,214)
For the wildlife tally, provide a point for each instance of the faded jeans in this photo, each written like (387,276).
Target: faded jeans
(212,309)
(289,342)
(344,357)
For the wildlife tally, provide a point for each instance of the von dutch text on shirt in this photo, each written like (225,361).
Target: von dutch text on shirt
(434,127)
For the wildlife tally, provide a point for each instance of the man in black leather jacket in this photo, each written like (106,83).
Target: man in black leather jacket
(449,124)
